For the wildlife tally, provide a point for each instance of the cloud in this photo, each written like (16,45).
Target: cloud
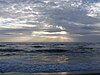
(49,19)
(94,10)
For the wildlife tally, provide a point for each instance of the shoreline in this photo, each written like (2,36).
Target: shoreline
(54,73)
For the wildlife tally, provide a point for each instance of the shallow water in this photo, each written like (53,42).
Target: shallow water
(49,57)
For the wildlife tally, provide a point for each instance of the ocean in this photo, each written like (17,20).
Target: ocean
(49,57)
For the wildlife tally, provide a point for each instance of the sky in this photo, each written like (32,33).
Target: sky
(49,20)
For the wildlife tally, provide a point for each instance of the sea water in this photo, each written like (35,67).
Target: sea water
(49,57)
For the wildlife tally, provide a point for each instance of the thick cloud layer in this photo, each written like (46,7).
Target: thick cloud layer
(49,20)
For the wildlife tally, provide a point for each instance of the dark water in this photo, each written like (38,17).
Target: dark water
(49,57)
